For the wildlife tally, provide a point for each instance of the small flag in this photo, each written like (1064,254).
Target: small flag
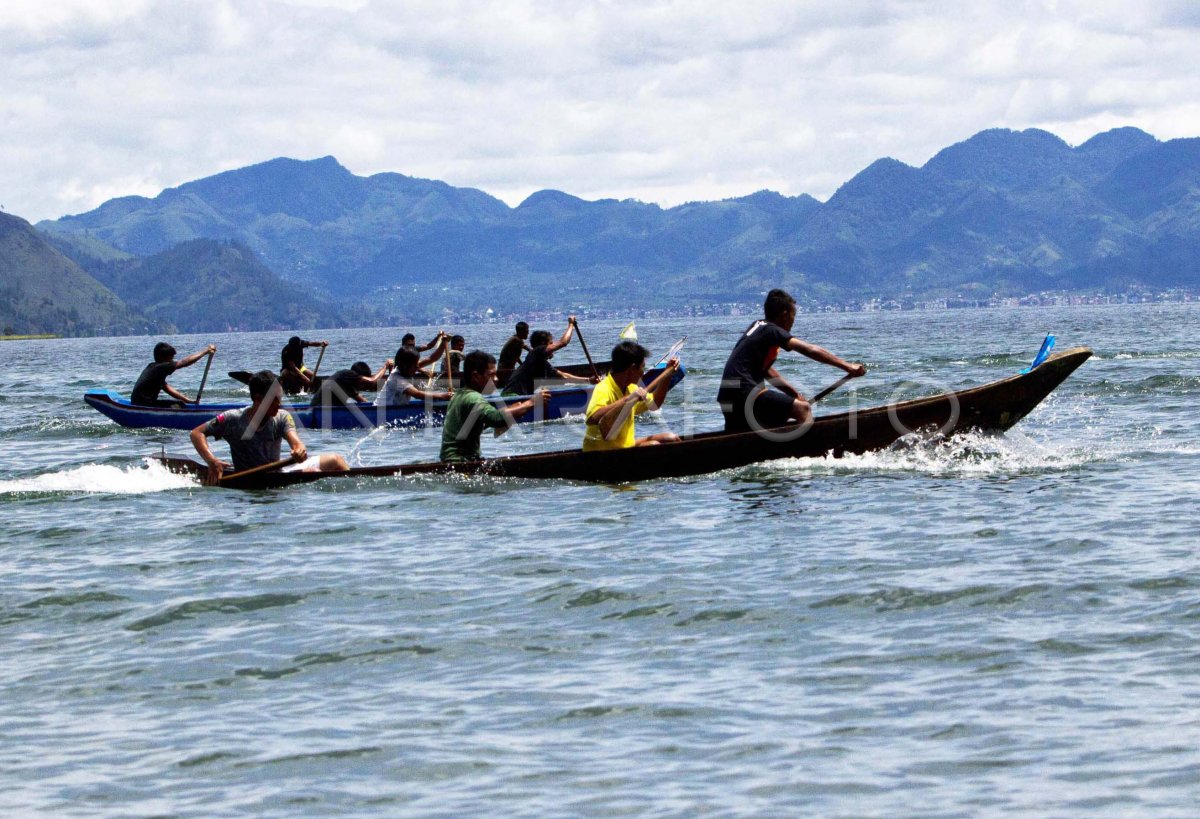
(1043,353)
(629,333)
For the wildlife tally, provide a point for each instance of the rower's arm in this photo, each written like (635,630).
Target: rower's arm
(565,339)
(194,357)
(435,355)
(661,385)
(436,339)
(512,412)
(610,415)
(176,394)
(216,467)
(428,395)
(825,357)
(568,377)
(782,383)
(299,451)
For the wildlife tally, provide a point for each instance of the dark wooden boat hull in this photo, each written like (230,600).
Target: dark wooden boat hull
(993,407)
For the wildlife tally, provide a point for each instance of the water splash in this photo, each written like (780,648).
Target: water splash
(964,455)
(101,479)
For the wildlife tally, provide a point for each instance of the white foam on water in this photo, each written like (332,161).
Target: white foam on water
(967,454)
(102,479)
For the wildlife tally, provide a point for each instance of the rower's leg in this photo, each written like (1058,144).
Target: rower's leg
(332,462)
(801,410)
(657,438)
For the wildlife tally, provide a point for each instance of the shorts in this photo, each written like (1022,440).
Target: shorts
(771,408)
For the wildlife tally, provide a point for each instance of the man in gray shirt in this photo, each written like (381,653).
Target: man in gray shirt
(254,433)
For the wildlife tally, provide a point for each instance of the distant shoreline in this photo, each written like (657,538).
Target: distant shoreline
(30,337)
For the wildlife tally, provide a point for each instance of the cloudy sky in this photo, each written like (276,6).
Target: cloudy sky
(651,99)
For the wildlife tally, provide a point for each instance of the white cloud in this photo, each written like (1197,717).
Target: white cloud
(660,100)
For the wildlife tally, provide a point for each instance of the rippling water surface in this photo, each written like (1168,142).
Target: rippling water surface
(994,624)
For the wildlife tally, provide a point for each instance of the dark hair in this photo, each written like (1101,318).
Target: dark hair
(295,341)
(476,361)
(407,360)
(361,368)
(540,338)
(163,352)
(626,354)
(777,303)
(457,340)
(408,338)
(522,326)
(260,383)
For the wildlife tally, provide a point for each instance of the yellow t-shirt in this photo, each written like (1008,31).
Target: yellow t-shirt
(622,434)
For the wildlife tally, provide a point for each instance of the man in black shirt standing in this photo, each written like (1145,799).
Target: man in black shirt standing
(153,379)
(745,398)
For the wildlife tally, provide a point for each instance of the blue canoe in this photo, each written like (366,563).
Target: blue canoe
(563,402)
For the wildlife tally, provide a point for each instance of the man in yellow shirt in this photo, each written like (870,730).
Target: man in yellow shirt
(620,396)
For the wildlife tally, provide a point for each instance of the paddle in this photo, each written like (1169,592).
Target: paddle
(313,375)
(204,379)
(583,344)
(271,467)
(675,348)
(831,388)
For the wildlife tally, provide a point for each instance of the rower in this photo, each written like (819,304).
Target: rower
(409,340)
(294,377)
(469,412)
(744,396)
(510,353)
(620,396)
(437,344)
(346,385)
(537,368)
(400,390)
(457,344)
(254,433)
(153,379)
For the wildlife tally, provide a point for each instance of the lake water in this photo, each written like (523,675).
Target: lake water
(997,625)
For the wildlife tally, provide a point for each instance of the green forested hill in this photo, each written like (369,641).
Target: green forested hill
(42,291)
(207,285)
(1004,212)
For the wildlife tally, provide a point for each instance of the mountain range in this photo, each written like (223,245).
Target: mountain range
(1002,213)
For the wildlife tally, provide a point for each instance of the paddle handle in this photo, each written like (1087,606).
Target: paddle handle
(204,378)
(318,366)
(830,388)
(280,464)
(588,355)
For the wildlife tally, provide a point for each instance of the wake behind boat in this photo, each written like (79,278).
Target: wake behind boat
(564,401)
(993,407)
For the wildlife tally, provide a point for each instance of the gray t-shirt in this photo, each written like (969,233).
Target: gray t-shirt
(393,393)
(256,448)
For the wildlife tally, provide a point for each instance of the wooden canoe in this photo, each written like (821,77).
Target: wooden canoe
(992,407)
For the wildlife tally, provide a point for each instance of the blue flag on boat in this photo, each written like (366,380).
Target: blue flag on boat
(1043,353)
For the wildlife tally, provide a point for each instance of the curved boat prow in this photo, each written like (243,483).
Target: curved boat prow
(1059,366)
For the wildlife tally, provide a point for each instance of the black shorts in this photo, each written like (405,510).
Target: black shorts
(771,408)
